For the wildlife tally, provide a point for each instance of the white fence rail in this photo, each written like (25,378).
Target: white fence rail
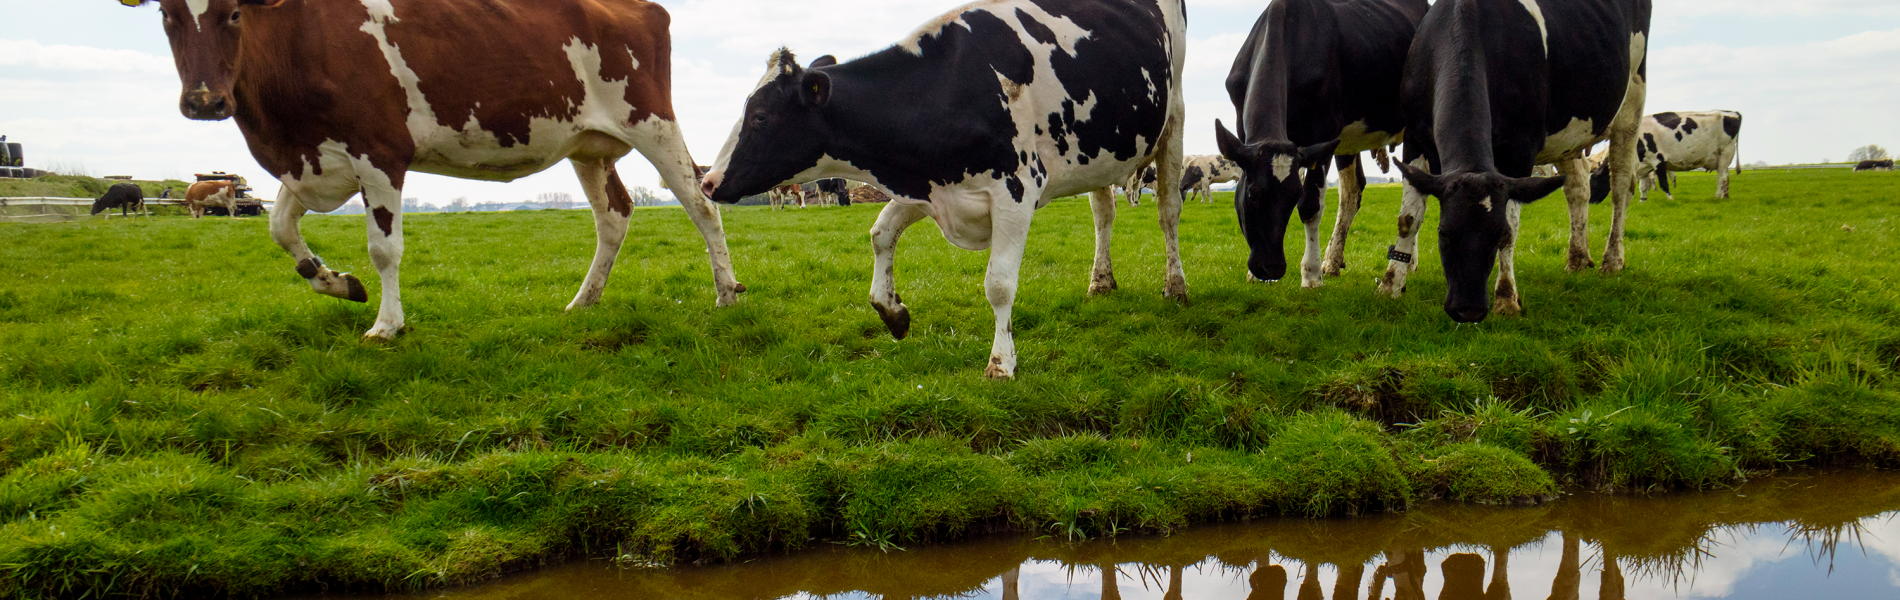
(44,209)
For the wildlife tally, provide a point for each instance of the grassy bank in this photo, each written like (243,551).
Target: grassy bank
(75,186)
(179,413)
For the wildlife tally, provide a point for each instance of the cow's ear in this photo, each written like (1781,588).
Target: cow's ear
(1230,145)
(1422,181)
(1316,151)
(814,88)
(824,61)
(1532,189)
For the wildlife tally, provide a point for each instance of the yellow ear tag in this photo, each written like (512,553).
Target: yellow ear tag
(133,3)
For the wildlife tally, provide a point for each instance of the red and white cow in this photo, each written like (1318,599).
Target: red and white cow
(206,194)
(341,97)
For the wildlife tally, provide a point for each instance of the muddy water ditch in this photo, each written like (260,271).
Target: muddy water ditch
(1809,536)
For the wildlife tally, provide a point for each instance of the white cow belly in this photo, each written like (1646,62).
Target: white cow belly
(1570,143)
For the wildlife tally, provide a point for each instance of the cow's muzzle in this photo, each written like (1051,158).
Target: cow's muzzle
(205,105)
(710,186)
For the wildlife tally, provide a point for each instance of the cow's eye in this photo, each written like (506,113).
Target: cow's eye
(234,17)
(758,119)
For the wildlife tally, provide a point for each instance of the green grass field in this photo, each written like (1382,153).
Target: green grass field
(179,413)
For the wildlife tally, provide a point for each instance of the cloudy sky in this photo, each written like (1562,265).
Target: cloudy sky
(90,83)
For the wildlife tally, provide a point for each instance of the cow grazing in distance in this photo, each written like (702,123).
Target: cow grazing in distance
(786,194)
(1874,165)
(122,196)
(1494,88)
(976,120)
(1317,82)
(1669,142)
(1191,179)
(203,195)
(831,192)
(1137,181)
(344,97)
(1215,169)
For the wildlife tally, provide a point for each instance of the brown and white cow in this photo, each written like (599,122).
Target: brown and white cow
(341,97)
(206,194)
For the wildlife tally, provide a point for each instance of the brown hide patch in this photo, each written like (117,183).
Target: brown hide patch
(205,189)
(500,45)
(309,268)
(385,220)
(307,74)
(1406,222)
(617,197)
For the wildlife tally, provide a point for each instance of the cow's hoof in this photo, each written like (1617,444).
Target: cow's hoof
(1579,264)
(1390,287)
(1612,266)
(738,288)
(1101,285)
(382,335)
(898,321)
(357,292)
(997,371)
(1332,269)
(1507,307)
(1312,284)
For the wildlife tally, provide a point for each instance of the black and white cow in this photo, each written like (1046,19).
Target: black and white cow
(1494,88)
(122,196)
(1214,169)
(1668,142)
(1138,181)
(1874,165)
(1191,179)
(977,119)
(1315,79)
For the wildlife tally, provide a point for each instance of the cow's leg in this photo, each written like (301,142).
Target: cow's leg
(284,218)
(666,149)
(1352,186)
(891,223)
(1168,198)
(1312,208)
(1721,177)
(1411,221)
(611,213)
(382,196)
(1509,301)
(1102,204)
(1577,195)
(1647,182)
(232,205)
(1009,235)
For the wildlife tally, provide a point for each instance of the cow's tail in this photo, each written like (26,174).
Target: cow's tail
(1738,154)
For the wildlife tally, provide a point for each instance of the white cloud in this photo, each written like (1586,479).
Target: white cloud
(26,53)
(1772,8)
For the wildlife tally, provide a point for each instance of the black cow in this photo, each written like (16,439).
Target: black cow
(1494,88)
(1874,165)
(836,188)
(122,196)
(1315,79)
(979,118)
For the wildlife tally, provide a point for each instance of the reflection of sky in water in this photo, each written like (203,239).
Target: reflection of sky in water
(1748,563)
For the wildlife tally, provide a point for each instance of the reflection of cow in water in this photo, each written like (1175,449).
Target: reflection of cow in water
(122,196)
(205,194)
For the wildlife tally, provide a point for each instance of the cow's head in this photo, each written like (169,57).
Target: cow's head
(781,134)
(1472,227)
(1600,179)
(1270,187)
(204,37)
